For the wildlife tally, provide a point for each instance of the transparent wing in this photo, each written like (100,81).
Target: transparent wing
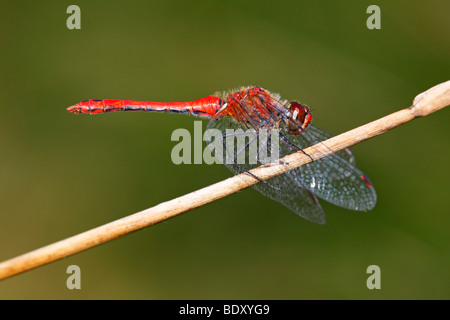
(288,189)
(335,177)
(315,135)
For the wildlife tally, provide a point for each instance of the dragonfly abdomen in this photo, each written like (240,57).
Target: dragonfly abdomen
(205,107)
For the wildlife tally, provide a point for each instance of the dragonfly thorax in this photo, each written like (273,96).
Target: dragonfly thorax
(299,118)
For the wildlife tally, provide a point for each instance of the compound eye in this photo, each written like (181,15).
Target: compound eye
(300,118)
(298,112)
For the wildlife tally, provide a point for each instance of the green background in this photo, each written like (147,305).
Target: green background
(61,174)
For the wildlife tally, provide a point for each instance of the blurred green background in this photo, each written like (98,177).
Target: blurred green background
(61,174)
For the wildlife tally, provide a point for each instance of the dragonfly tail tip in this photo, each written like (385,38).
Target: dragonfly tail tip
(74,109)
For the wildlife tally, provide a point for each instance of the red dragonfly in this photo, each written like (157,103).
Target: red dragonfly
(333,178)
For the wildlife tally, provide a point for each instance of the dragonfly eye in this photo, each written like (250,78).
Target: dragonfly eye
(300,118)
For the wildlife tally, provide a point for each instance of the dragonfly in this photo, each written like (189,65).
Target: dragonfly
(333,178)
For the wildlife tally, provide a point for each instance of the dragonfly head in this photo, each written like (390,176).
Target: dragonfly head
(299,118)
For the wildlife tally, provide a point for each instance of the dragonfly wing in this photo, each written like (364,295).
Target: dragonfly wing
(335,177)
(316,135)
(287,189)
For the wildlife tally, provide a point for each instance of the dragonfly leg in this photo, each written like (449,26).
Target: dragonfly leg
(293,147)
